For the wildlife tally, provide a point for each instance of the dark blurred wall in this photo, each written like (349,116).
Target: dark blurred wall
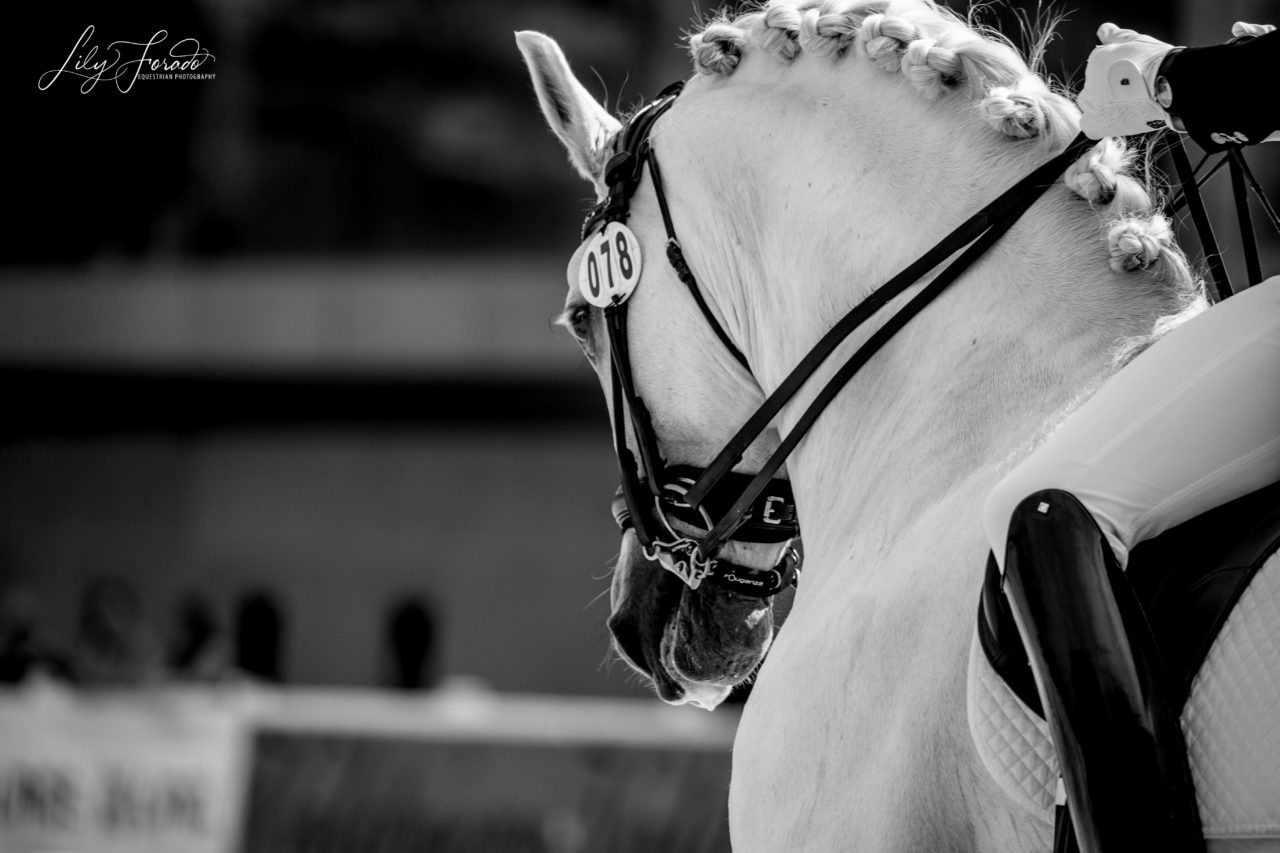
(341,126)
(492,527)
(331,126)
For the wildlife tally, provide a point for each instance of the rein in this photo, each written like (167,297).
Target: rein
(763,509)
(1242,183)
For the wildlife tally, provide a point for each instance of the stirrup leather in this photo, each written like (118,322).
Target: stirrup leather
(1100,679)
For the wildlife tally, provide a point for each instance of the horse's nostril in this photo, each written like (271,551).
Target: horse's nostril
(628,642)
(668,691)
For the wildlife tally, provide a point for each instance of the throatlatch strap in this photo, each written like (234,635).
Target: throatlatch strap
(675,256)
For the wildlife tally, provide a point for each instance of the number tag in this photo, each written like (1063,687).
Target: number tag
(611,266)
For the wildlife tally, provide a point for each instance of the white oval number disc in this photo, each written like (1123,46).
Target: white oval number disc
(610,267)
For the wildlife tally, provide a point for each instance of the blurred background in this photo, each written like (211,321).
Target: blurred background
(285,418)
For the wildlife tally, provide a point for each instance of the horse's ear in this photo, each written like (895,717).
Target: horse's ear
(581,123)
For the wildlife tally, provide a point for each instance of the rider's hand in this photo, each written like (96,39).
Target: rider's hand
(1119,96)
(1243,29)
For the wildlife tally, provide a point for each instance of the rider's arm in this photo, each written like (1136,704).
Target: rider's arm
(1226,88)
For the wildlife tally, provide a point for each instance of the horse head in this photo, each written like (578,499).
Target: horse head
(694,644)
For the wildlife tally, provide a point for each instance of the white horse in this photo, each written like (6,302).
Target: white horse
(821,147)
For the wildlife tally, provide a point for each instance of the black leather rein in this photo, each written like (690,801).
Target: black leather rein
(759,507)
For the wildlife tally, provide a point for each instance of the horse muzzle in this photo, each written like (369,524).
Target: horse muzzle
(693,644)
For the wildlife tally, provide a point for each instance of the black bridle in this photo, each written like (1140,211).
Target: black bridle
(755,507)
(652,493)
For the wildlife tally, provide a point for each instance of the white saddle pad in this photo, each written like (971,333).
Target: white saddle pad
(1231,722)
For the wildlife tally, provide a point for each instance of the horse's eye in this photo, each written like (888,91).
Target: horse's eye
(580,322)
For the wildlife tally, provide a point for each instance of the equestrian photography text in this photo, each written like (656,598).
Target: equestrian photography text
(125,62)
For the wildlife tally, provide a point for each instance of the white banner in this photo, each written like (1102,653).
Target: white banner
(121,773)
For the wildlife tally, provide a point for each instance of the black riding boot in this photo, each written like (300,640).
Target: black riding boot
(1117,735)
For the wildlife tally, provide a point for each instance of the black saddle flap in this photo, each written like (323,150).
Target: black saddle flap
(1188,579)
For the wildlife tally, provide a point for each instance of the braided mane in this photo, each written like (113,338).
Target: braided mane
(941,56)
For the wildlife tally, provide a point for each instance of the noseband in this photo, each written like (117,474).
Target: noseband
(733,506)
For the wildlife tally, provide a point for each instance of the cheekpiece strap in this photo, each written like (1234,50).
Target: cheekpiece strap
(651,496)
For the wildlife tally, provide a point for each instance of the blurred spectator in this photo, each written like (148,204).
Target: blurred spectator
(114,646)
(411,629)
(25,647)
(259,630)
(197,651)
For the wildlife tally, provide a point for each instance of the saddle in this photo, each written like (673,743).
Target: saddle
(1187,582)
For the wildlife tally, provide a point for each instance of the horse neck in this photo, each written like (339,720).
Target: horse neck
(965,390)
(966,387)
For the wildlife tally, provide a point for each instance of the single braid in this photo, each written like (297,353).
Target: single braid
(826,33)
(718,48)
(884,38)
(930,67)
(1101,177)
(1092,178)
(1016,111)
(781,31)
(1136,243)
(860,11)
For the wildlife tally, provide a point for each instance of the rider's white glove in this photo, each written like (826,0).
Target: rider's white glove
(1241,28)
(1119,96)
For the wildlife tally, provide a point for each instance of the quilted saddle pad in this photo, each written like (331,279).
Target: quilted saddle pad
(1231,721)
